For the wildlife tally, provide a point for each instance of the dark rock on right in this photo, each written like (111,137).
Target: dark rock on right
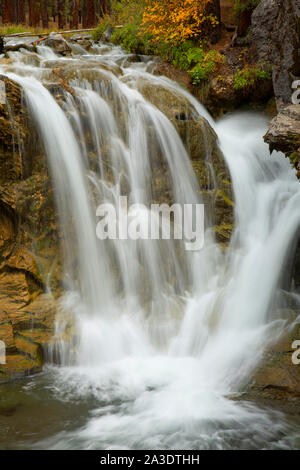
(284,134)
(275,33)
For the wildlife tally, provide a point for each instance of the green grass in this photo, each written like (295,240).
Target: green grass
(15,28)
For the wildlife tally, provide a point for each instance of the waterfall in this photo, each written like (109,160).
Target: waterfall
(170,334)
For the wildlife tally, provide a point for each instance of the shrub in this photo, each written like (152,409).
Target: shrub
(173,22)
(209,64)
(132,40)
(248,76)
(185,55)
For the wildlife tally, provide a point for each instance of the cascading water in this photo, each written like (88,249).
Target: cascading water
(165,337)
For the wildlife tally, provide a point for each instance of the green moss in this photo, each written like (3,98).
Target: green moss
(295,158)
(185,55)
(223,196)
(248,76)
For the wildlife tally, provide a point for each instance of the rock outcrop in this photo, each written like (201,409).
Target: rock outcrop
(207,160)
(284,134)
(29,240)
(277,376)
(218,93)
(57,43)
(275,33)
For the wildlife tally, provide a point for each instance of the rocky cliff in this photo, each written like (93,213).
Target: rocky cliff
(275,34)
(284,134)
(29,241)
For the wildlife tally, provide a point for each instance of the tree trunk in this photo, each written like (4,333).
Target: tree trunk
(54,10)
(44,14)
(83,13)
(90,14)
(61,14)
(30,12)
(34,13)
(7,12)
(104,7)
(213,8)
(74,14)
(37,13)
(14,7)
(21,12)
(244,20)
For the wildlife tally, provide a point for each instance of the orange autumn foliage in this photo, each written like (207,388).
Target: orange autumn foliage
(175,21)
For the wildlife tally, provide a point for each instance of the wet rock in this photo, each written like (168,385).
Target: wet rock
(89,72)
(275,33)
(76,37)
(106,36)
(18,366)
(8,405)
(86,43)
(208,162)
(284,134)
(277,377)
(28,332)
(16,46)
(168,101)
(218,93)
(29,240)
(58,44)
(221,95)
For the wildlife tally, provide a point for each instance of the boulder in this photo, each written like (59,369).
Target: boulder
(16,46)
(107,34)
(58,44)
(275,34)
(284,134)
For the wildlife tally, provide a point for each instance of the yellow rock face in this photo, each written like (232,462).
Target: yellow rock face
(29,246)
(25,329)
